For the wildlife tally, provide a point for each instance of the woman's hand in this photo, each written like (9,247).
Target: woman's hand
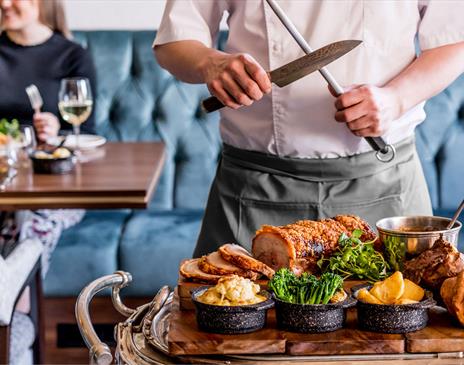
(46,125)
(367,110)
(235,79)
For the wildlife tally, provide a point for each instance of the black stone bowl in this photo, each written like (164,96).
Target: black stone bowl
(311,318)
(231,319)
(392,318)
(57,166)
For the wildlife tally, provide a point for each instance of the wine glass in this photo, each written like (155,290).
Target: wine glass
(7,162)
(28,145)
(75,104)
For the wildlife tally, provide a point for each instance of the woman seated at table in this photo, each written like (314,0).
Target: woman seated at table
(35,49)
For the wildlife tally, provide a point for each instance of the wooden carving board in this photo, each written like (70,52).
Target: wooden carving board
(443,334)
(184,338)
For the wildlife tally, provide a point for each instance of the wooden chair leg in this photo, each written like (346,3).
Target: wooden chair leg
(4,344)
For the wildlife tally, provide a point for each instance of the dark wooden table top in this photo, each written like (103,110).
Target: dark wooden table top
(117,175)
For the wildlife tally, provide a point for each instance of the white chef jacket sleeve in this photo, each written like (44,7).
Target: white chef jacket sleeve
(441,23)
(190,20)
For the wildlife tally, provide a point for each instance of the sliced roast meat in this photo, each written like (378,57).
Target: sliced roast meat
(238,256)
(216,265)
(190,270)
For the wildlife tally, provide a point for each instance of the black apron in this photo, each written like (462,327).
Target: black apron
(253,188)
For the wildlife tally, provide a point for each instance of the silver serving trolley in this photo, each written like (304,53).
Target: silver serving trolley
(142,337)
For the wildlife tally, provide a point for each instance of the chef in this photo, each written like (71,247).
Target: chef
(297,152)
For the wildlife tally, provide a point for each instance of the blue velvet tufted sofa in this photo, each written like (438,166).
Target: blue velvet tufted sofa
(137,100)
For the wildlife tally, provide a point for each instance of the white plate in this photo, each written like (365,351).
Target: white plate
(86,141)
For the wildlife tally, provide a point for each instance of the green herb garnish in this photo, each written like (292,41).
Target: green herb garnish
(356,259)
(305,289)
(10,128)
(395,252)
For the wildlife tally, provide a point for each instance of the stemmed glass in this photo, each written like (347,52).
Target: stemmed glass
(28,144)
(75,104)
(7,162)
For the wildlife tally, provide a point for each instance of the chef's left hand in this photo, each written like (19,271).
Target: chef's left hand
(367,110)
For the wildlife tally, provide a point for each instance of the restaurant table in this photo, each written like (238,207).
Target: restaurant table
(117,175)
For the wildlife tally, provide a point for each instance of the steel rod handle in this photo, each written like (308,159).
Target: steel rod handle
(385,153)
(100,353)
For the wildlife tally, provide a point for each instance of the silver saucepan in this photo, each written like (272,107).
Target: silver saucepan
(417,233)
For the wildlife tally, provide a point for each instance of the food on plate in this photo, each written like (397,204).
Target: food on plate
(452,293)
(412,291)
(394,252)
(239,256)
(190,270)
(433,266)
(299,246)
(355,258)
(232,291)
(419,229)
(367,297)
(230,259)
(9,130)
(216,265)
(389,290)
(306,288)
(393,290)
(57,153)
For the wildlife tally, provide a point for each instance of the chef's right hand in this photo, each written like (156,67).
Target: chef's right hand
(236,79)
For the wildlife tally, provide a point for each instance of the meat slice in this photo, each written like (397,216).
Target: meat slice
(190,270)
(237,255)
(435,265)
(216,265)
(299,246)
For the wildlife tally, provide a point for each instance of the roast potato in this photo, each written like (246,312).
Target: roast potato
(389,290)
(367,297)
(393,290)
(412,291)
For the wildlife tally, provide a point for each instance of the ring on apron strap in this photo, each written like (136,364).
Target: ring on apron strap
(388,155)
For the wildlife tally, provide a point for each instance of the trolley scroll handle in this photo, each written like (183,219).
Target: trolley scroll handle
(100,353)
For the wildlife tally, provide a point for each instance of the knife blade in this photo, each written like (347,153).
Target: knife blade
(298,68)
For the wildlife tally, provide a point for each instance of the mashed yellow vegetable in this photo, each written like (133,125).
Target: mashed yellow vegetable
(232,290)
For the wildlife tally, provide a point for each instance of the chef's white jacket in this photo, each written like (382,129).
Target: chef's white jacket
(298,120)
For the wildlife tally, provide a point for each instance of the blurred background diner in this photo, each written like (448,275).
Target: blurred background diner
(125,97)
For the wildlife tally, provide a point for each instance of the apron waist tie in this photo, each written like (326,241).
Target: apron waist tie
(309,169)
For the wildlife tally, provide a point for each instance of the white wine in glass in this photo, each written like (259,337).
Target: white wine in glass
(75,104)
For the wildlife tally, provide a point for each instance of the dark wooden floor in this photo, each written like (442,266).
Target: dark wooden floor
(63,343)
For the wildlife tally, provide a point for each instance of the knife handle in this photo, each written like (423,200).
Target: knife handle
(211,104)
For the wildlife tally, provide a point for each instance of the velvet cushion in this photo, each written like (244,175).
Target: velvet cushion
(440,143)
(85,252)
(139,101)
(153,245)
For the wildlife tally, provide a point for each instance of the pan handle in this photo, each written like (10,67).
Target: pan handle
(100,353)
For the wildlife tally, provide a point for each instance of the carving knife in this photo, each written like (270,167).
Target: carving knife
(384,152)
(298,68)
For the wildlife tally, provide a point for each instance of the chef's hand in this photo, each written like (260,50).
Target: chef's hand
(366,109)
(236,79)
(46,125)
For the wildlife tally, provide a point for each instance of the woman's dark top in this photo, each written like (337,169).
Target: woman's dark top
(43,65)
